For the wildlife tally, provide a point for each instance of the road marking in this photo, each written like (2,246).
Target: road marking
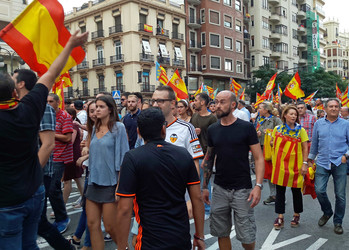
(317,244)
(268,243)
(215,246)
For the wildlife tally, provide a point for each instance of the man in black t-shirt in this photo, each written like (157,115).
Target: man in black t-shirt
(22,192)
(230,139)
(154,178)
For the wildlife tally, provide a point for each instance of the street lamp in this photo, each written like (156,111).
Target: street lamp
(2,64)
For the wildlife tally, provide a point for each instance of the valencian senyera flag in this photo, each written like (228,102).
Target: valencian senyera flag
(38,35)
(234,86)
(163,77)
(178,86)
(242,96)
(293,89)
(199,89)
(345,97)
(259,100)
(310,97)
(270,86)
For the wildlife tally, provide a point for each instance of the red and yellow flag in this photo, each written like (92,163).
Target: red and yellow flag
(163,76)
(38,35)
(148,28)
(64,81)
(293,89)
(259,100)
(242,96)
(278,95)
(345,97)
(234,86)
(199,89)
(177,84)
(270,86)
(338,93)
(310,97)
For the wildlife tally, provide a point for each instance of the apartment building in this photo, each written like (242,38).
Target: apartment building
(286,33)
(9,10)
(336,49)
(217,39)
(126,38)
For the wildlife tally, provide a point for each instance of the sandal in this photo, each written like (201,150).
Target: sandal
(278,223)
(295,221)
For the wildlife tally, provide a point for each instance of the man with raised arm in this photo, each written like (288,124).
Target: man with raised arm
(231,139)
(22,192)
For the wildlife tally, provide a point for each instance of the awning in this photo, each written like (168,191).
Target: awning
(146,47)
(178,52)
(163,50)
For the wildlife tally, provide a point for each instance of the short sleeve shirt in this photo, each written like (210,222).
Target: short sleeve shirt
(157,174)
(181,133)
(63,152)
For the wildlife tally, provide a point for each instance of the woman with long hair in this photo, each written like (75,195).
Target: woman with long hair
(107,148)
(184,110)
(289,157)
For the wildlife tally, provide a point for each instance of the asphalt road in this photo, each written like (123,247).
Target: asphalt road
(307,236)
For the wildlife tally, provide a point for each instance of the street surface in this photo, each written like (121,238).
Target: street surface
(308,236)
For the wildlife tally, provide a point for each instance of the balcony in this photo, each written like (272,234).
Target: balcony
(246,37)
(146,57)
(195,69)
(194,47)
(323,41)
(117,59)
(83,65)
(162,32)
(246,19)
(320,12)
(194,2)
(301,29)
(323,55)
(97,34)
(247,57)
(302,45)
(194,23)
(118,87)
(275,35)
(303,61)
(274,17)
(164,60)
(98,62)
(96,91)
(177,36)
(274,2)
(147,88)
(301,14)
(177,63)
(145,28)
(84,93)
(275,54)
(115,29)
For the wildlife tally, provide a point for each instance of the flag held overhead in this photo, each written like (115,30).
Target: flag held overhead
(293,89)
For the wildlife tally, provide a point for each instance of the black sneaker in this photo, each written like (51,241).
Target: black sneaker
(269,201)
(338,229)
(323,220)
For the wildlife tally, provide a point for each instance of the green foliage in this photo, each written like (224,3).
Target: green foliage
(320,80)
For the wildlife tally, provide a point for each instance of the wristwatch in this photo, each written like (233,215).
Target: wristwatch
(259,185)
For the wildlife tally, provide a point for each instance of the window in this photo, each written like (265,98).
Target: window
(281,47)
(238,67)
(252,3)
(238,25)
(265,4)
(265,23)
(253,61)
(193,63)
(228,64)
(252,21)
(119,81)
(294,17)
(142,18)
(329,52)
(334,63)
(266,60)
(215,62)
(238,5)
(83,29)
(294,34)
(228,21)
(203,61)
(203,39)
(227,2)
(215,40)
(294,2)
(295,51)
(281,29)
(228,43)
(99,25)
(334,53)
(118,49)
(214,17)
(192,36)
(265,43)
(329,64)
(85,86)
(252,41)
(202,15)
(100,53)
(238,46)
(101,82)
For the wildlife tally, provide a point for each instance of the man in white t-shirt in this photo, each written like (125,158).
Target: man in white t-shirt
(81,114)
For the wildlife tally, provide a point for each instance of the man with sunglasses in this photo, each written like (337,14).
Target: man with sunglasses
(124,97)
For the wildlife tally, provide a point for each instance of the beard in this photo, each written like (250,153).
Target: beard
(220,114)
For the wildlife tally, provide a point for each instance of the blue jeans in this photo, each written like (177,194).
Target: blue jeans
(339,175)
(55,192)
(19,223)
(207,207)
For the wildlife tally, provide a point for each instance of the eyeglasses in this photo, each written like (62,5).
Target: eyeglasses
(160,101)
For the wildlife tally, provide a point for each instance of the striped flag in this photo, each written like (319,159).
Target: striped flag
(214,94)
(199,89)
(234,86)
(270,86)
(38,35)
(259,100)
(310,97)
(242,96)
(278,95)
(293,89)
(345,97)
(163,77)
(338,93)
(64,81)
(178,86)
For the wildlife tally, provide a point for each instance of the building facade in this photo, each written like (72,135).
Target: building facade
(217,40)
(126,38)
(9,10)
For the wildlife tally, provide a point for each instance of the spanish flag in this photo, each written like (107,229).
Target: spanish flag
(338,93)
(199,89)
(38,35)
(148,28)
(310,97)
(270,86)
(64,81)
(234,86)
(177,84)
(293,89)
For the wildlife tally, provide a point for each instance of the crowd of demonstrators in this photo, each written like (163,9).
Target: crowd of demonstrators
(130,119)
(21,176)
(289,157)
(307,120)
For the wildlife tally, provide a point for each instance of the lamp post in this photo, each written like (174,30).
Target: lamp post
(2,64)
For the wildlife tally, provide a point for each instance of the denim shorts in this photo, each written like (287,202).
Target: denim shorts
(222,204)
